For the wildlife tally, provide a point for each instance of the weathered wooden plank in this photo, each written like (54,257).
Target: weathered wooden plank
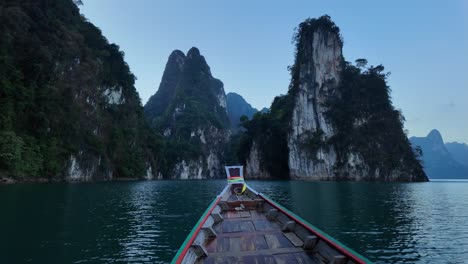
(261,225)
(210,245)
(272,214)
(217,217)
(221,260)
(249,233)
(222,245)
(301,232)
(234,244)
(248,205)
(304,258)
(251,242)
(231,214)
(237,226)
(282,218)
(209,232)
(258,252)
(252,234)
(261,259)
(223,205)
(338,259)
(244,214)
(295,240)
(285,258)
(323,249)
(277,241)
(199,250)
(257,215)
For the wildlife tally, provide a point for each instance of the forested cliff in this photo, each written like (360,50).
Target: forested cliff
(68,104)
(69,110)
(189,109)
(337,121)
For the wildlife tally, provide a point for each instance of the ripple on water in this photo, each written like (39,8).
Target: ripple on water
(146,222)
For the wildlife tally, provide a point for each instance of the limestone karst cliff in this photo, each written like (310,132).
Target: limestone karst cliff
(189,110)
(68,105)
(336,122)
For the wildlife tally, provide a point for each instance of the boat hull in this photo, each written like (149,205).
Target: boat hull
(252,228)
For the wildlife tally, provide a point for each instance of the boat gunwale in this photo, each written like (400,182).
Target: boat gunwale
(358,258)
(196,229)
(181,253)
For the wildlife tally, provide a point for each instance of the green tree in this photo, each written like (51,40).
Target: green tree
(11,147)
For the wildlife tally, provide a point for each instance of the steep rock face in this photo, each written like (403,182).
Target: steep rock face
(67,99)
(189,109)
(159,102)
(336,121)
(319,74)
(253,168)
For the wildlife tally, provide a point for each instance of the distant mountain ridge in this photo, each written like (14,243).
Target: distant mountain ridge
(439,159)
(237,106)
(459,152)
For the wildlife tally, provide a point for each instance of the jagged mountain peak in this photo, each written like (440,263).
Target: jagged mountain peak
(177,52)
(441,160)
(193,52)
(189,110)
(177,57)
(435,136)
(159,102)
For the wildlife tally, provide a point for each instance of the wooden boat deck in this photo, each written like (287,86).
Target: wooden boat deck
(248,236)
(250,228)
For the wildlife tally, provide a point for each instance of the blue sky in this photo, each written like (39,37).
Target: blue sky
(424,44)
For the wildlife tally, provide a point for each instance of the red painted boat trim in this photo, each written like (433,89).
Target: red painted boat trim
(234,177)
(187,246)
(343,250)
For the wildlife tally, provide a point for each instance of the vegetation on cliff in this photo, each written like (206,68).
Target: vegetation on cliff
(366,122)
(359,109)
(193,112)
(65,91)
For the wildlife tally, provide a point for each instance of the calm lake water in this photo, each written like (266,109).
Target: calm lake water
(146,222)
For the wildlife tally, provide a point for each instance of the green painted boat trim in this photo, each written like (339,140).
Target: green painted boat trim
(192,233)
(318,230)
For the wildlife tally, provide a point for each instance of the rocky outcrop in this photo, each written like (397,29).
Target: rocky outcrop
(253,167)
(189,110)
(159,102)
(335,123)
(319,68)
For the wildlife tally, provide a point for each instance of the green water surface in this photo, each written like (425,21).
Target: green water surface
(146,222)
